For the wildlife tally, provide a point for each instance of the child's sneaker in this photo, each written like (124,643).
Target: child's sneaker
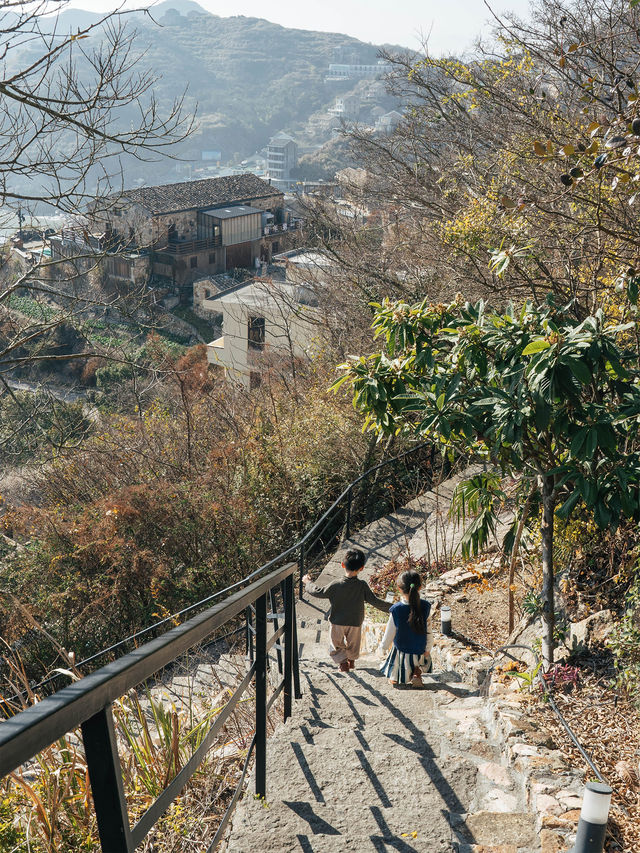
(416,677)
(344,666)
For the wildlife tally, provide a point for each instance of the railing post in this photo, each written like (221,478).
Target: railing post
(261,696)
(300,584)
(296,661)
(250,637)
(105,774)
(289,617)
(274,616)
(347,526)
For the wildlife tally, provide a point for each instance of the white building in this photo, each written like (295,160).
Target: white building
(263,321)
(346,107)
(349,71)
(282,156)
(388,122)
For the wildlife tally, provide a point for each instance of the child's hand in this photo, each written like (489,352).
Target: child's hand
(306,578)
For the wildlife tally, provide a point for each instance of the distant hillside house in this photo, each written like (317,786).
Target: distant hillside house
(282,157)
(195,228)
(388,122)
(267,321)
(349,71)
(346,106)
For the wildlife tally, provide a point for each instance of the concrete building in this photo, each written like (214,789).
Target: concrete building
(349,71)
(263,322)
(346,107)
(267,320)
(388,122)
(282,156)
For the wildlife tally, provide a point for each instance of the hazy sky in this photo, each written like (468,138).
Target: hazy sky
(452,24)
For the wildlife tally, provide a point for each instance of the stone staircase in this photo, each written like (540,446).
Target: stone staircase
(363,766)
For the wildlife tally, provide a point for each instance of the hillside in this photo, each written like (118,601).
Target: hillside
(245,77)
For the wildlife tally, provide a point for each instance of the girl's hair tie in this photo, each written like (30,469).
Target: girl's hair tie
(411,586)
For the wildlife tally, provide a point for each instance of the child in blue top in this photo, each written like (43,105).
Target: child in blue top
(409,630)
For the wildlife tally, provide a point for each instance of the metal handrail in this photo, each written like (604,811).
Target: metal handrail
(88,703)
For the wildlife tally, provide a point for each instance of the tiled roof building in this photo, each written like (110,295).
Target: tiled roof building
(209,192)
(181,232)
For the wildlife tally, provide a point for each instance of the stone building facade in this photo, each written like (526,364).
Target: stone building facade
(186,230)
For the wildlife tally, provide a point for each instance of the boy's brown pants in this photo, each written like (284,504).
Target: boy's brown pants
(344,642)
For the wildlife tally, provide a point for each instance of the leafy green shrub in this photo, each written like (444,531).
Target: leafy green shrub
(32,424)
(532,603)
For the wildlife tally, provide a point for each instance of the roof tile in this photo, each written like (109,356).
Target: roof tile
(210,192)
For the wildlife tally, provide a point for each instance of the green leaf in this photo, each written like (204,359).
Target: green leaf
(568,505)
(536,346)
(606,437)
(591,444)
(578,440)
(580,371)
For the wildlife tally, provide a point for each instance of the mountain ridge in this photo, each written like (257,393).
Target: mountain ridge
(246,78)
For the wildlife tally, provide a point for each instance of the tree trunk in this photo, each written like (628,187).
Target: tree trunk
(514,555)
(548,606)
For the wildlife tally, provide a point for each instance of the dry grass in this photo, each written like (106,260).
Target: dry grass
(609,729)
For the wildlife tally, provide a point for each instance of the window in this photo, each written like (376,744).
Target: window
(212,257)
(207,293)
(256,332)
(193,262)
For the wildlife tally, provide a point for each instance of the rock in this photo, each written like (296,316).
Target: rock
(570,801)
(483,750)
(573,815)
(526,632)
(497,801)
(524,749)
(590,631)
(548,805)
(542,739)
(561,821)
(496,773)
(485,827)
(551,842)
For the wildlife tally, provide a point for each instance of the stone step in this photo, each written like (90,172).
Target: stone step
(363,766)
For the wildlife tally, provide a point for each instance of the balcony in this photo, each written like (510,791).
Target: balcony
(283,226)
(190,247)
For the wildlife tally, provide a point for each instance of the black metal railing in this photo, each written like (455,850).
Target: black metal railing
(88,704)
